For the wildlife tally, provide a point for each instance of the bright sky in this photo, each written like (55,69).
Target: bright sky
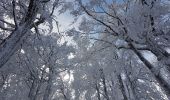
(66,19)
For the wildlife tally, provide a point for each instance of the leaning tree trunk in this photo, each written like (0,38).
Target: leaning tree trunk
(32,94)
(11,44)
(49,85)
(97,87)
(122,87)
(126,87)
(162,77)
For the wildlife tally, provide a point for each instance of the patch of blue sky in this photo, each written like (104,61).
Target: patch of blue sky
(117,1)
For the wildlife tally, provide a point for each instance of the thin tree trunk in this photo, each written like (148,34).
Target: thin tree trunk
(122,87)
(104,84)
(98,91)
(127,87)
(49,85)
(33,89)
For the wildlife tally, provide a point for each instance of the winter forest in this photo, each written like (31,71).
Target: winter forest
(84,49)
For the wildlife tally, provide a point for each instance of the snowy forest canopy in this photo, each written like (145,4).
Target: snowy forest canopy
(111,50)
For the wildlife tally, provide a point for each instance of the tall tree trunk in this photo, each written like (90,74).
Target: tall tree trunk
(162,77)
(49,85)
(122,87)
(127,86)
(15,39)
(98,90)
(33,89)
(104,84)
(11,44)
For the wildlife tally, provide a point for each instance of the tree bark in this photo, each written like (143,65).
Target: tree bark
(127,86)
(11,44)
(32,94)
(49,85)
(122,87)
(162,77)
